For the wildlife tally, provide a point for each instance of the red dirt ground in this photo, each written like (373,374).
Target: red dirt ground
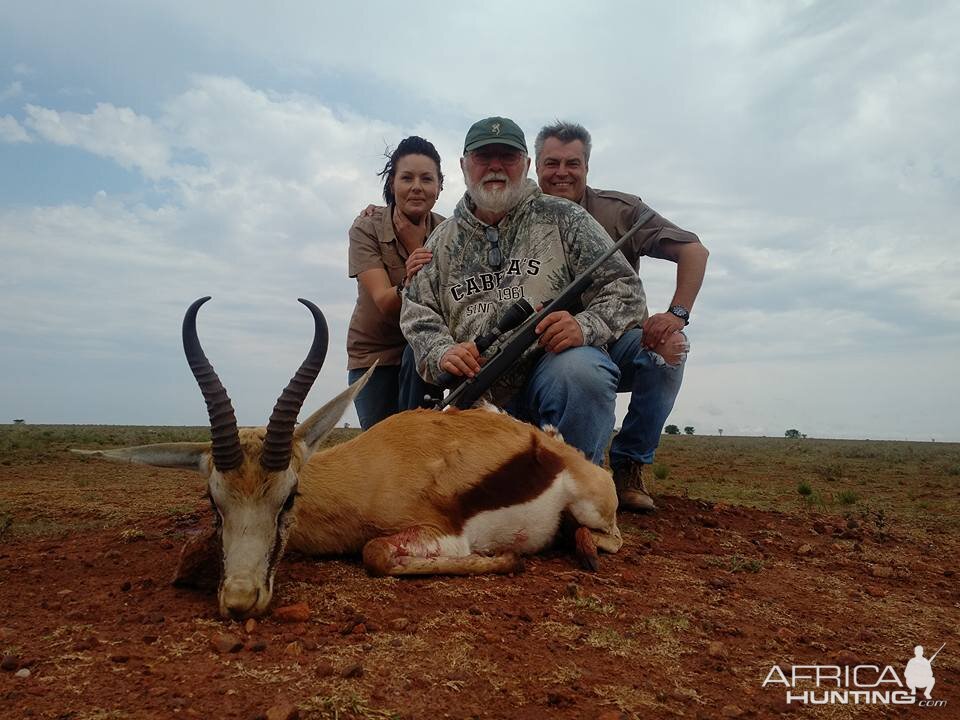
(686,621)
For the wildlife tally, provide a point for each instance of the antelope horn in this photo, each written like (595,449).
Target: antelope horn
(278,443)
(223,423)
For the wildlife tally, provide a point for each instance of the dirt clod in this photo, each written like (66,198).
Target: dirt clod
(9,663)
(354,670)
(283,711)
(225,643)
(296,613)
(717,650)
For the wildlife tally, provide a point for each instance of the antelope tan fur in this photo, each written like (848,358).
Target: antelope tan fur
(421,492)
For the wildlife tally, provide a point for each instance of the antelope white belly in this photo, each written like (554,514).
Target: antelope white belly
(524,528)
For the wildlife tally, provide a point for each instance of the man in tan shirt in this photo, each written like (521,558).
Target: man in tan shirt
(650,359)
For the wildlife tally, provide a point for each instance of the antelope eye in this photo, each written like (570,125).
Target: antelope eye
(288,503)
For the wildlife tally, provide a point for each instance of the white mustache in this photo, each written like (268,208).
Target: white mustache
(495,176)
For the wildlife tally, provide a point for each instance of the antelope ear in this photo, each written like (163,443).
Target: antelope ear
(315,428)
(192,456)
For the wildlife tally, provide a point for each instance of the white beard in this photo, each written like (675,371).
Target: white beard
(499,201)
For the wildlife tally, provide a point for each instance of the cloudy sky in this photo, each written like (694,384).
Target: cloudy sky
(155,152)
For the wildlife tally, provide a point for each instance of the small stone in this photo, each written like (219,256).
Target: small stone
(572,590)
(784,635)
(226,643)
(474,610)
(882,571)
(353,670)
(297,613)
(283,711)
(150,639)
(126,586)
(611,715)
(717,650)
(22,673)
(250,625)
(360,629)
(852,524)
(85,644)
(9,663)
(845,658)
(708,521)
(257,646)
(400,624)
(9,634)
(323,669)
(731,711)
(293,649)
(805,549)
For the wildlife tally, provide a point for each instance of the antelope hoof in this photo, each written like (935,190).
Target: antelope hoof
(586,550)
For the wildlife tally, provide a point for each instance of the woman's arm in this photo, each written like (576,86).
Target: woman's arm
(385,296)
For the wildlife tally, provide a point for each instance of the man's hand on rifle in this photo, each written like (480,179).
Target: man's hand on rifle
(462,359)
(559,331)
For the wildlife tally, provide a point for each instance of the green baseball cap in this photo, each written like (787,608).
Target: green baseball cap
(494,130)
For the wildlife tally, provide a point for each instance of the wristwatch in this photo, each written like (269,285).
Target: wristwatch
(681,312)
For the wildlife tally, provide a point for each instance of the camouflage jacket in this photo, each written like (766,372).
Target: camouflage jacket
(545,243)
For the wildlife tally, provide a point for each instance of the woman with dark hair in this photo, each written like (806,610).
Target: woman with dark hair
(386,251)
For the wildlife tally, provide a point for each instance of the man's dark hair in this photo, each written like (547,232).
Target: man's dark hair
(412,145)
(565,132)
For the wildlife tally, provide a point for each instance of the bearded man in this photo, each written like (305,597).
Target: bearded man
(507,240)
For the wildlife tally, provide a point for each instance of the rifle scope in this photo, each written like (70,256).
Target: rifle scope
(515,314)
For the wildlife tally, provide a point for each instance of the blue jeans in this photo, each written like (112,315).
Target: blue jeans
(391,389)
(576,392)
(653,386)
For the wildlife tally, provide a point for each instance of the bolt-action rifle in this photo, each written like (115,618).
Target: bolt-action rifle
(507,348)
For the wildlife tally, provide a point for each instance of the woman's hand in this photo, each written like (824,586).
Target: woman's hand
(411,234)
(418,258)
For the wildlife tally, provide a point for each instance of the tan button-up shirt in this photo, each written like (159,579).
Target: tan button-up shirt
(374,244)
(618,212)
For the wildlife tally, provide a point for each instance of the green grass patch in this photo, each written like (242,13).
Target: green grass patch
(661,472)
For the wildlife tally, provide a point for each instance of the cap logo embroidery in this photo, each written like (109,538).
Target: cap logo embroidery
(495,128)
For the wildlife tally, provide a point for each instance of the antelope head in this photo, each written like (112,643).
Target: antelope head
(252,473)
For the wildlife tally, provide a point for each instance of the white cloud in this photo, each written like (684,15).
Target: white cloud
(131,140)
(12,90)
(11,131)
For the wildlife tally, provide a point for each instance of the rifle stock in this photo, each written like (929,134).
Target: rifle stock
(510,348)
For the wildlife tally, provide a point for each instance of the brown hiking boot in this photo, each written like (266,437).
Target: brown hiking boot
(631,491)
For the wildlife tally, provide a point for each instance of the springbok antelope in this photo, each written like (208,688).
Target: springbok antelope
(422,492)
